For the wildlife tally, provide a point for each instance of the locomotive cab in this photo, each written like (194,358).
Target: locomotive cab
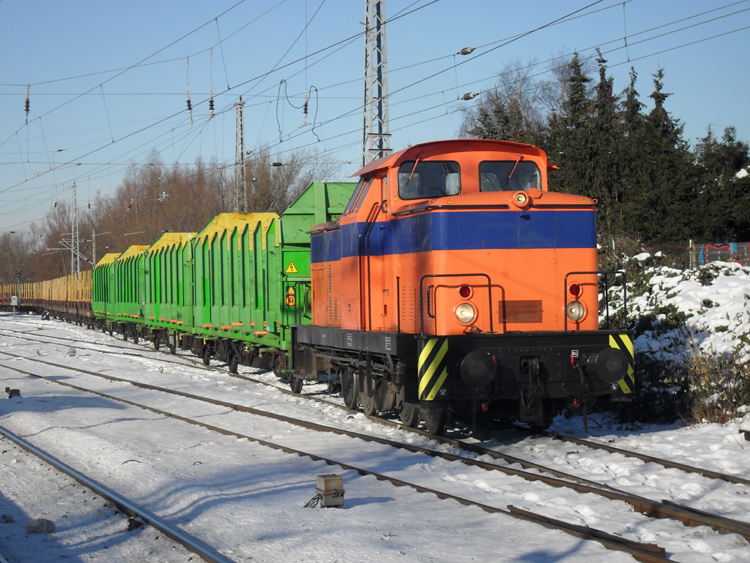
(456,283)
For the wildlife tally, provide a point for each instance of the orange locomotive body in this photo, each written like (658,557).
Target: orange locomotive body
(455,282)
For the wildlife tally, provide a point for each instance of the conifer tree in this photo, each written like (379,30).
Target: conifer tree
(723,198)
(663,191)
(569,143)
(606,177)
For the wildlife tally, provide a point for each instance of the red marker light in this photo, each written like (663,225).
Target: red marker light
(575,289)
(464,291)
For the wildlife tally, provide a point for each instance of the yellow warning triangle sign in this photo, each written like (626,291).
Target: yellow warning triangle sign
(291,269)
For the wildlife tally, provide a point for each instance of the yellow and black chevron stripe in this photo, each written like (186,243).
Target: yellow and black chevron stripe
(433,368)
(623,342)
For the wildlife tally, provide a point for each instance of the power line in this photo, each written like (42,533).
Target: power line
(686,44)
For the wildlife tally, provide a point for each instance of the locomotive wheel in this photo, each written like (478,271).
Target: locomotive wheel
(409,415)
(172,347)
(135,337)
(125,334)
(549,410)
(156,343)
(349,389)
(295,384)
(206,357)
(370,404)
(434,420)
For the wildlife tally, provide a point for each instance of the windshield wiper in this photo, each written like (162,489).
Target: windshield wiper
(505,185)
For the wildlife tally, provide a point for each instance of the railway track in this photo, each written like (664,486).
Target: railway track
(664,509)
(641,551)
(453,442)
(127,507)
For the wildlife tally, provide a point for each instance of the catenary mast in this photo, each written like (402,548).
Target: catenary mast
(240,188)
(376,136)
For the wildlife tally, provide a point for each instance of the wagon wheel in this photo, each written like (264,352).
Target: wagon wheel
(172,347)
(125,333)
(135,337)
(206,356)
(156,343)
(295,384)
(234,363)
(349,389)
(434,420)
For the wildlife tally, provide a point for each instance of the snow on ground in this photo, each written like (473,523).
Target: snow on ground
(246,499)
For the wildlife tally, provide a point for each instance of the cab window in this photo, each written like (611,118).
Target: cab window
(361,190)
(509,175)
(428,178)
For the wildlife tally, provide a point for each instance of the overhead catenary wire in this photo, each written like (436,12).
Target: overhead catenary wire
(649,55)
(141,61)
(106,112)
(153,124)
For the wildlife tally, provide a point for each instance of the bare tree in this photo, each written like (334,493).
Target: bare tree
(556,89)
(512,110)
(273,184)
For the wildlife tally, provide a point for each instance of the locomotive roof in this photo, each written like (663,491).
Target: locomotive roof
(448,146)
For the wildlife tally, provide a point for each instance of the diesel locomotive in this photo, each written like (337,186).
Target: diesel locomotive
(456,283)
(447,283)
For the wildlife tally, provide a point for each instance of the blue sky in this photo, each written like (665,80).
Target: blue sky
(108,78)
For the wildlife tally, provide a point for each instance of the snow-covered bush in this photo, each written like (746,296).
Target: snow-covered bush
(692,338)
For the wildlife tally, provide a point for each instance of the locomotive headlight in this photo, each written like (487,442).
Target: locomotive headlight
(465,313)
(575,311)
(521,199)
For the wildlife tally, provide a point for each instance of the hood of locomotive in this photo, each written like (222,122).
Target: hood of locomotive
(507,304)
(486,265)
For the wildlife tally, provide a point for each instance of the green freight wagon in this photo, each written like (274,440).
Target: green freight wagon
(165,286)
(128,282)
(233,291)
(252,278)
(104,288)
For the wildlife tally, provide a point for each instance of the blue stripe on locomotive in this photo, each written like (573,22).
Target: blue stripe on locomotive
(459,231)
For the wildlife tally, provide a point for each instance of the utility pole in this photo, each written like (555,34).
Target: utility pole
(240,185)
(75,251)
(93,250)
(375,134)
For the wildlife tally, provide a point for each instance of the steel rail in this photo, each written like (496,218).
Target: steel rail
(200,548)
(644,505)
(472,447)
(36,333)
(648,553)
(645,457)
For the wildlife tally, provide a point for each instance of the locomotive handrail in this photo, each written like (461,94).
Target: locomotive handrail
(606,274)
(449,206)
(567,205)
(421,300)
(368,224)
(429,207)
